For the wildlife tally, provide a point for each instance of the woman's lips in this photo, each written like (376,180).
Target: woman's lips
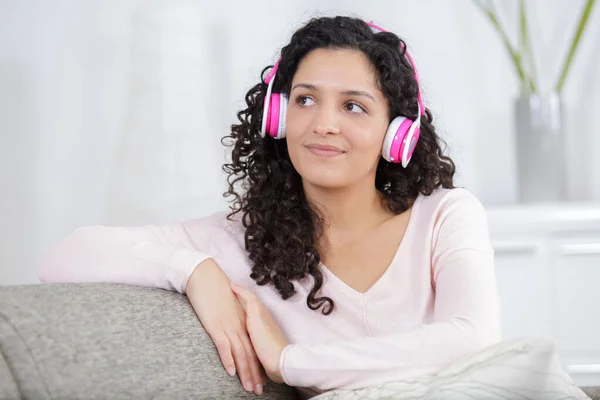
(324,150)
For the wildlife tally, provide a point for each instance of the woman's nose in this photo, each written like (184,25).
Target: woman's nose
(327,121)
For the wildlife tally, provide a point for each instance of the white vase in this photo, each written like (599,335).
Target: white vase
(541,149)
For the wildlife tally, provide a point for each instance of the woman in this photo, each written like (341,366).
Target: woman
(341,265)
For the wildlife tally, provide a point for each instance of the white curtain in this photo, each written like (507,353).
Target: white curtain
(168,163)
(112,111)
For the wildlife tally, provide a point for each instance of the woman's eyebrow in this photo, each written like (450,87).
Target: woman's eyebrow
(345,92)
(305,86)
(359,93)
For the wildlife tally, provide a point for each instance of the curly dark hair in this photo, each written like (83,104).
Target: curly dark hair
(282,228)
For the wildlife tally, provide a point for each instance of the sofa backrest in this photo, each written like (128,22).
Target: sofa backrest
(84,341)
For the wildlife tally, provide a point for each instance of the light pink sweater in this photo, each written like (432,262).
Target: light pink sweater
(436,303)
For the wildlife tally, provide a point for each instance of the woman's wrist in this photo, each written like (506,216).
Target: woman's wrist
(199,273)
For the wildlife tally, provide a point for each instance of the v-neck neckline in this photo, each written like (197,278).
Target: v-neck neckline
(333,278)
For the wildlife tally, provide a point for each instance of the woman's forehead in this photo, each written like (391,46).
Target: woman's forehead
(338,67)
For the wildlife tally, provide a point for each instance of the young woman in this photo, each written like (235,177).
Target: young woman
(349,258)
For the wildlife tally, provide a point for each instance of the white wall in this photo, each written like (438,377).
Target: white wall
(68,93)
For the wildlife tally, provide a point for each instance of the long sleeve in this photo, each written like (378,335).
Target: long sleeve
(466,316)
(152,256)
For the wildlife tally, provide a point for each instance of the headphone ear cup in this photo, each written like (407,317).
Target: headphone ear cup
(273,121)
(283,103)
(394,139)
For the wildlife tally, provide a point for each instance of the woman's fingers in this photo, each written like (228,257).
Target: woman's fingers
(238,355)
(256,369)
(241,362)
(268,341)
(246,297)
(249,302)
(224,348)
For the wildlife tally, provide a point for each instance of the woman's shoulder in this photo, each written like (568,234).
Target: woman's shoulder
(452,219)
(457,206)
(443,200)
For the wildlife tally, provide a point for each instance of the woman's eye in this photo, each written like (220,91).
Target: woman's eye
(355,108)
(305,101)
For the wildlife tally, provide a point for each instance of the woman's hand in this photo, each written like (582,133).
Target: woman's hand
(266,336)
(224,319)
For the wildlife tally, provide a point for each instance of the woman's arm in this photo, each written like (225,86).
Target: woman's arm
(466,316)
(152,256)
(166,257)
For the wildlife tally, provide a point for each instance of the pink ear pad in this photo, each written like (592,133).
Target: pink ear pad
(413,142)
(398,144)
(265,117)
(273,117)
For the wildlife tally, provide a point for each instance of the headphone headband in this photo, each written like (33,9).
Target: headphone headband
(414,67)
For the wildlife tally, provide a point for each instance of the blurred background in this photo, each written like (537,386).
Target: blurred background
(111,112)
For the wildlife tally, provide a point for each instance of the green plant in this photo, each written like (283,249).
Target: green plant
(522,56)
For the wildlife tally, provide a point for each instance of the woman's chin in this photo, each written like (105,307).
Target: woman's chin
(328,174)
(326,179)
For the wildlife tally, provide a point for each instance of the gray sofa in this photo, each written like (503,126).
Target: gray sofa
(106,341)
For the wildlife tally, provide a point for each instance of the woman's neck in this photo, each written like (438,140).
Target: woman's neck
(356,208)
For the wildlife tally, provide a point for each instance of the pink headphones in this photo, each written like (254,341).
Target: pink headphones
(401,136)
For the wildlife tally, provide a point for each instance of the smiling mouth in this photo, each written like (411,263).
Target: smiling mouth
(325,150)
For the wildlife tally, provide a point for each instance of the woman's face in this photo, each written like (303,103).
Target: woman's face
(336,120)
